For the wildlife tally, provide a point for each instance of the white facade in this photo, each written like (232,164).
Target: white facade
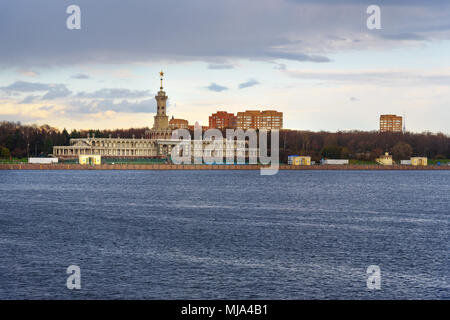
(43,160)
(334,161)
(108,147)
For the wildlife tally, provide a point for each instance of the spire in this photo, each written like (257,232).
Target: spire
(161,74)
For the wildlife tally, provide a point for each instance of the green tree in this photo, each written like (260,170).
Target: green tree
(66,137)
(75,134)
(48,146)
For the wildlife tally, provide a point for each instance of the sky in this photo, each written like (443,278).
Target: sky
(314,60)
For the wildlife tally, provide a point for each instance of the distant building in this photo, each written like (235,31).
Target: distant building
(334,161)
(108,147)
(91,159)
(255,119)
(385,160)
(43,160)
(419,161)
(390,123)
(299,160)
(178,124)
(405,162)
(222,120)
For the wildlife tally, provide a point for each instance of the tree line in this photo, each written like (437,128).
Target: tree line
(363,145)
(18,140)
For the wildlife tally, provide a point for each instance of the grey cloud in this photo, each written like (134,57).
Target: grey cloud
(380,77)
(46,108)
(147,106)
(296,56)
(280,66)
(114,31)
(382,3)
(59,91)
(29,73)
(248,84)
(30,99)
(216,88)
(95,106)
(53,90)
(24,86)
(114,93)
(220,66)
(404,36)
(80,76)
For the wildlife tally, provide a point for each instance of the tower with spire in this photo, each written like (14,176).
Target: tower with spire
(161,118)
(161,128)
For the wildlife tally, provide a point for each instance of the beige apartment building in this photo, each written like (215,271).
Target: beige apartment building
(390,123)
(255,119)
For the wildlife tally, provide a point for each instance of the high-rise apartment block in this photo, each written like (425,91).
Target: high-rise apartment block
(390,123)
(255,119)
(222,120)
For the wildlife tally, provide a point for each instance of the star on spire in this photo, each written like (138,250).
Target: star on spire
(161,74)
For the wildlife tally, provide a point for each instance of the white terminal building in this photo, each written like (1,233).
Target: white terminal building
(157,143)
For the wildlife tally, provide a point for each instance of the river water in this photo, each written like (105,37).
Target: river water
(224,234)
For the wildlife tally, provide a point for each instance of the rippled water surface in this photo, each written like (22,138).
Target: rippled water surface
(224,234)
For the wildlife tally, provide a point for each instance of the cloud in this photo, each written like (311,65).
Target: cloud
(46,108)
(80,76)
(101,100)
(296,56)
(96,106)
(34,33)
(53,90)
(30,99)
(57,91)
(354,99)
(24,86)
(248,84)
(29,73)
(280,66)
(220,66)
(378,76)
(404,36)
(114,93)
(216,88)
